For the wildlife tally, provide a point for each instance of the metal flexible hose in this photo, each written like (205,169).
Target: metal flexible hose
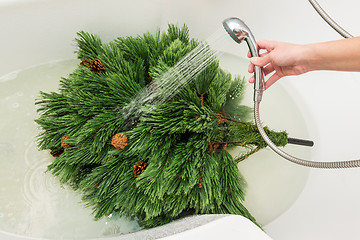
(329,20)
(313,164)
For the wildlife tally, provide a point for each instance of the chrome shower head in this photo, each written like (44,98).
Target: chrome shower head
(236,28)
(239,31)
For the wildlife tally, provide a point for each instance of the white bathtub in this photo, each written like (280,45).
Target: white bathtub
(325,104)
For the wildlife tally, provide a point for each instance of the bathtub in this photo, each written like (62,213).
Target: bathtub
(301,203)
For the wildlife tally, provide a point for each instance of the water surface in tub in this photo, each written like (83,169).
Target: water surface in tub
(33,203)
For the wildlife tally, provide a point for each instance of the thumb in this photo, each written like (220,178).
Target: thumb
(260,61)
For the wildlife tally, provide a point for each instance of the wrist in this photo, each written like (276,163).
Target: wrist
(308,58)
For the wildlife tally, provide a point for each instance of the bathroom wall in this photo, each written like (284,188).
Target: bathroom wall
(30,26)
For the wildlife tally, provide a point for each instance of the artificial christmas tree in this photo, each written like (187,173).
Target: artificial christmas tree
(172,159)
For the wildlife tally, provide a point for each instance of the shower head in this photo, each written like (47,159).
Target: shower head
(236,28)
(239,31)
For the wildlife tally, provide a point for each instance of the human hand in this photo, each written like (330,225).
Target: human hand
(281,59)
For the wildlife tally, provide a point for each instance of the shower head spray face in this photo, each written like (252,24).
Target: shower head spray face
(236,28)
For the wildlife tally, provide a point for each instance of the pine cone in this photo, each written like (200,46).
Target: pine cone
(96,66)
(63,143)
(56,153)
(119,141)
(139,168)
(85,63)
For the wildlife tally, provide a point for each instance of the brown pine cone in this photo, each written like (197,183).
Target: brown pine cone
(96,66)
(63,143)
(119,141)
(139,168)
(56,153)
(85,63)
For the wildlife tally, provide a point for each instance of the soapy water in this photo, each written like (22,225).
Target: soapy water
(171,82)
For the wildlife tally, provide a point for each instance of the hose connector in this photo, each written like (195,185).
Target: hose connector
(259,84)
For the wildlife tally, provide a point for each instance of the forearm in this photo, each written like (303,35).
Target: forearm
(340,55)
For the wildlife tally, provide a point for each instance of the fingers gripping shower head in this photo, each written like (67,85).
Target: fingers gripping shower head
(239,31)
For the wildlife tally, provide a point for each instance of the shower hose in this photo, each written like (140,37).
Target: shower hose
(313,164)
